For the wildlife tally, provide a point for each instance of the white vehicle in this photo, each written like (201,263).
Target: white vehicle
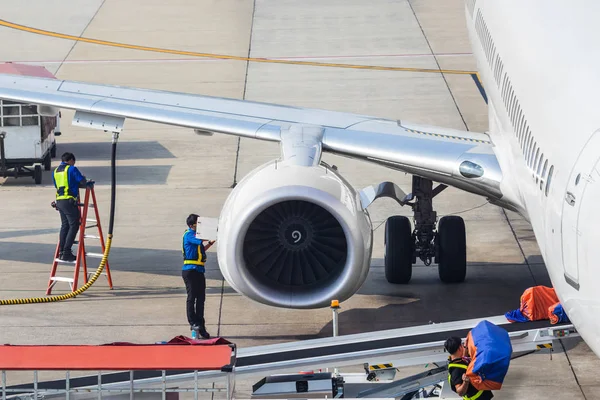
(27,139)
(294,233)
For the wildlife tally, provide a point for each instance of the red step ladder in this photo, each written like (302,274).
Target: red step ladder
(82,255)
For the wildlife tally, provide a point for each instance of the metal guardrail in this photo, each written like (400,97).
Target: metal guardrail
(71,393)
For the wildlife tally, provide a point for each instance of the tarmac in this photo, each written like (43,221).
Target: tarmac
(164,173)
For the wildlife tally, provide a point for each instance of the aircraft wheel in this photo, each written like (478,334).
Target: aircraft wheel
(37,174)
(398,249)
(452,247)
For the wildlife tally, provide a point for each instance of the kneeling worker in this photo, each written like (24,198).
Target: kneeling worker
(194,257)
(457,368)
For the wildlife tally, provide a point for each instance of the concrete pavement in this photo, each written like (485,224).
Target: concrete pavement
(164,173)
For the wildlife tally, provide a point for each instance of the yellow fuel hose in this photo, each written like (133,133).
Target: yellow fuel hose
(33,300)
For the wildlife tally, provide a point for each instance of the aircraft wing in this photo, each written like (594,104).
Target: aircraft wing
(458,158)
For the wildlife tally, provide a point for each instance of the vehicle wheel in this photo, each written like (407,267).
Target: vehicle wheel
(53,150)
(398,249)
(47,162)
(37,174)
(452,247)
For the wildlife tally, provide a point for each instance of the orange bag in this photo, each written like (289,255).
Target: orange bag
(536,301)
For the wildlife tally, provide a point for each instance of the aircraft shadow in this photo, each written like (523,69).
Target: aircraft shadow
(134,150)
(126,175)
(490,288)
(159,262)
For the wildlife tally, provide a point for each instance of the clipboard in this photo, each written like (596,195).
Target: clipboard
(207,228)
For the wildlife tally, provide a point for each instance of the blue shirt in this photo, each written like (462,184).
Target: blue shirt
(190,248)
(75,178)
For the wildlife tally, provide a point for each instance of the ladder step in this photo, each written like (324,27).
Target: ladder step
(61,279)
(95,255)
(90,221)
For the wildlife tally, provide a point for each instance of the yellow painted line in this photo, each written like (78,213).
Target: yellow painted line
(221,56)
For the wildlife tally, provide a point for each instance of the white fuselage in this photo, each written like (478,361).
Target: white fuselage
(539,63)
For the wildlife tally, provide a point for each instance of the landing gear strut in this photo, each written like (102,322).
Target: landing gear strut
(445,246)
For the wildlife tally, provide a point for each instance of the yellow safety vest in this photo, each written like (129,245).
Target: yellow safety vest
(477,395)
(194,262)
(62,183)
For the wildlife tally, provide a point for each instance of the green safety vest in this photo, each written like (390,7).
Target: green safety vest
(452,365)
(61,177)
(194,262)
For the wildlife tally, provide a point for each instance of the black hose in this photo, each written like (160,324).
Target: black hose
(113,185)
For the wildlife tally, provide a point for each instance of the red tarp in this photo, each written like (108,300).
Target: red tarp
(26,70)
(179,353)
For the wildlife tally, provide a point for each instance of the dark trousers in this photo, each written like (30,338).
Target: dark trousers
(195,286)
(69,217)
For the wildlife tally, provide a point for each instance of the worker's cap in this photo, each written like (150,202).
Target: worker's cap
(452,344)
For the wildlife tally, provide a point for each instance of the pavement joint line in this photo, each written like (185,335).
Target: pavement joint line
(438,64)
(43,32)
(82,32)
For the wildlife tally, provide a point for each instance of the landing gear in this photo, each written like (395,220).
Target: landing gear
(398,250)
(452,249)
(446,246)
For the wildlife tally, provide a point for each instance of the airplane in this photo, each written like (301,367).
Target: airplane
(294,233)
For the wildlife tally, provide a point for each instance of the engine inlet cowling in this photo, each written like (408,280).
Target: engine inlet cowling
(294,236)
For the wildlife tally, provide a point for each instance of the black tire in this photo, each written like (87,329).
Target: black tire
(47,162)
(452,248)
(37,174)
(398,250)
(53,150)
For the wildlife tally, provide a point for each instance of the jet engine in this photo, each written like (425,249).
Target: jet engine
(294,236)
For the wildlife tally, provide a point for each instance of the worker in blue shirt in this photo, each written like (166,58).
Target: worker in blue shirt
(67,180)
(194,257)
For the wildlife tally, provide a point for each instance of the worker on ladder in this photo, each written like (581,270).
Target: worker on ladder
(457,368)
(67,180)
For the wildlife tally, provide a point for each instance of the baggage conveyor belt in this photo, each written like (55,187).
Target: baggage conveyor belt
(416,345)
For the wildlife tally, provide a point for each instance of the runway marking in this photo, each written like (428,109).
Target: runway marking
(42,32)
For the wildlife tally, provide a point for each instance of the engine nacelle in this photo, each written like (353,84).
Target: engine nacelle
(294,236)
